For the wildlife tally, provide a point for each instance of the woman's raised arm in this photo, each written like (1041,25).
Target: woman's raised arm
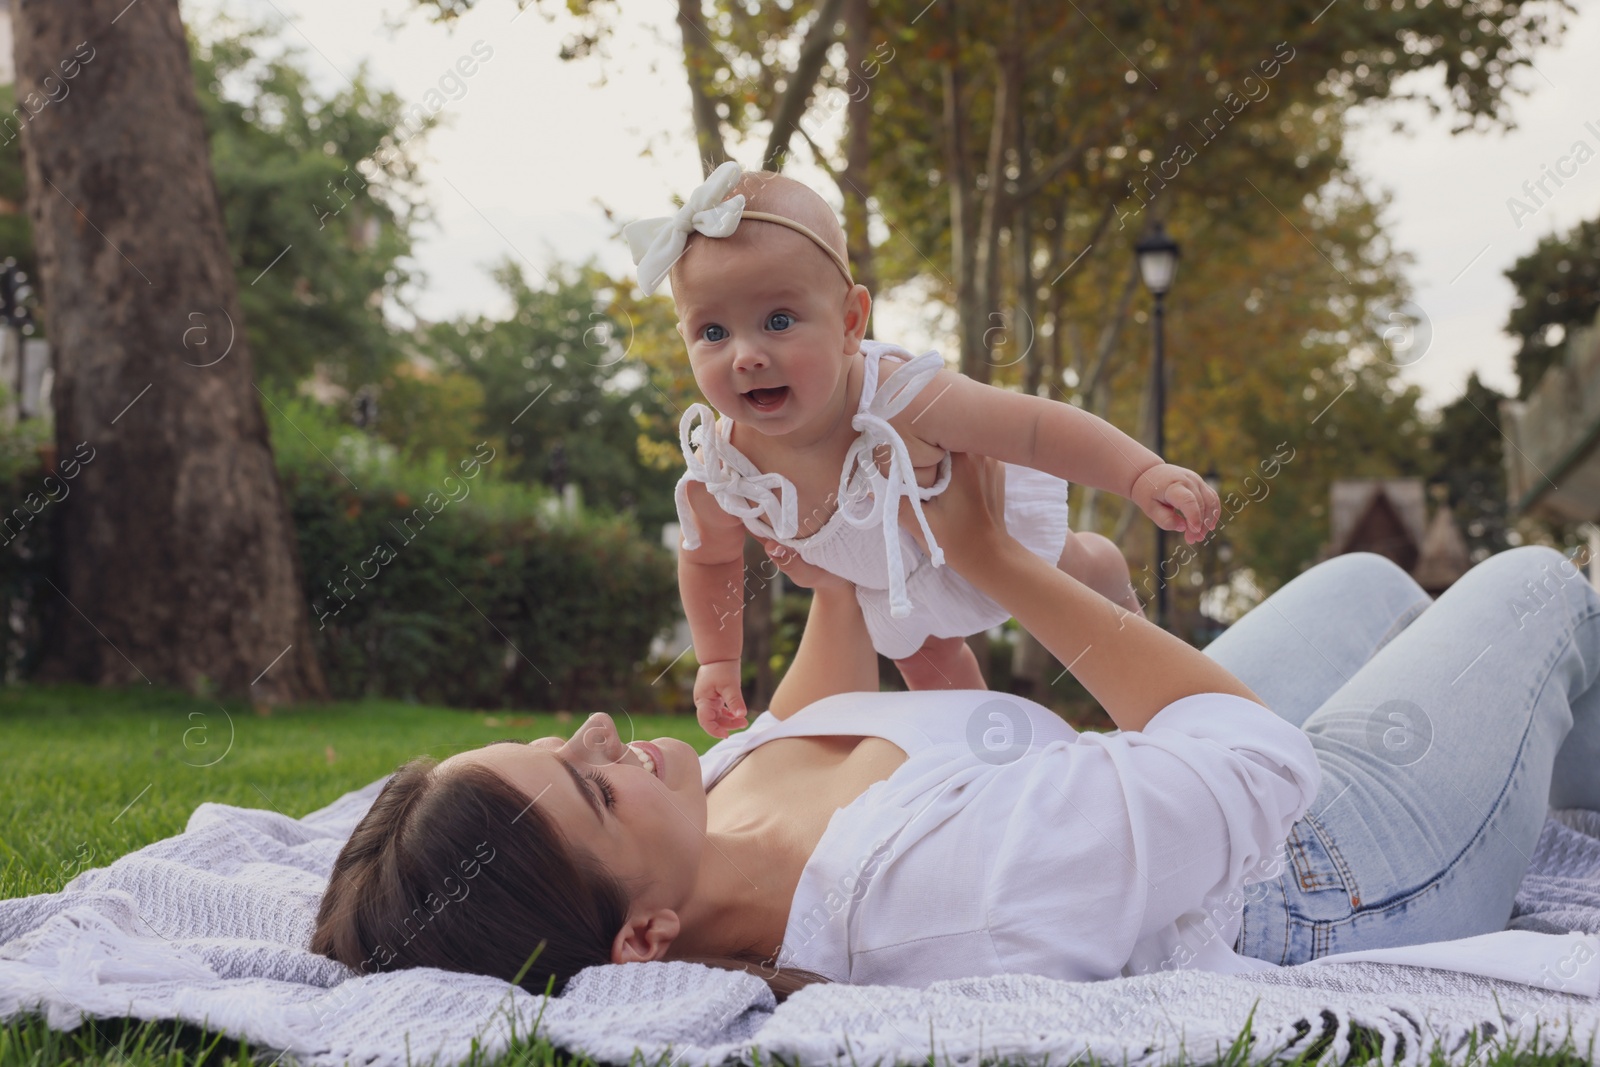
(835,653)
(1131,666)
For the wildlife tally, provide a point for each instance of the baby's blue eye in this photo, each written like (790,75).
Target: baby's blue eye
(713,333)
(780,320)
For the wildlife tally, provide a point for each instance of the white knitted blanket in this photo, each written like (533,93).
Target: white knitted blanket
(211,926)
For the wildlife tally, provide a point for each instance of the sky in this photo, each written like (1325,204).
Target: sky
(533,151)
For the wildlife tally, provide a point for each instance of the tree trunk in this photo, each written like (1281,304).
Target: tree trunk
(797,93)
(985,261)
(854,181)
(177,555)
(1049,378)
(699,63)
(961,221)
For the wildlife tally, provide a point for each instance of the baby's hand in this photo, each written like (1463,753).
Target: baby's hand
(718,703)
(1177,498)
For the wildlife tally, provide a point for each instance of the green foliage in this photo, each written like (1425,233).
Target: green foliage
(421,410)
(564,387)
(1276,349)
(1558,289)
(447,581)
(329,178)
(435,577)
(1480,50)
(1466,449)
(21,445)
(29,508)
(16,235)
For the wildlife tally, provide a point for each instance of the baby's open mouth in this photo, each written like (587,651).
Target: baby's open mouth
(768,399)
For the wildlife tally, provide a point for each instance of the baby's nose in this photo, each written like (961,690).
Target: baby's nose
(750,357)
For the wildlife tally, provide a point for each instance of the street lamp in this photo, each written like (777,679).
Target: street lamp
(1158,263)
(1213,482)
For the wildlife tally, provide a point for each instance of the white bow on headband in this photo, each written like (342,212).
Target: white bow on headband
(658,243)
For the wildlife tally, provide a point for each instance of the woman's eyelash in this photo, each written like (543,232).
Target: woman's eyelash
(604,787)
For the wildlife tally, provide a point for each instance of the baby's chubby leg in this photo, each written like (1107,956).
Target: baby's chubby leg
(1098,563)
(941,663)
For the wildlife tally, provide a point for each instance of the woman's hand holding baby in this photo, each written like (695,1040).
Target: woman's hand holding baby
(968,518)
(1177,498)
(718,700)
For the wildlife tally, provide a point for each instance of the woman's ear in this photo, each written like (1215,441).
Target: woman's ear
(645,936)
(857,313)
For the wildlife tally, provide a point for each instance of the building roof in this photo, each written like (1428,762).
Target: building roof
(1389,516)
(1445,556)
(1354,498)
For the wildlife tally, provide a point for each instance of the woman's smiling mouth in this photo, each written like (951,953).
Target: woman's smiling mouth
(650,757)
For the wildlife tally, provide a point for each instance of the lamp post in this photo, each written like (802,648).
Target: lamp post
(1213,482)
(1158,263)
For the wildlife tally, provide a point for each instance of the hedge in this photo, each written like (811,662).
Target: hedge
(439,581)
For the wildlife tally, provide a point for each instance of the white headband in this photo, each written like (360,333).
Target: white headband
(658,243)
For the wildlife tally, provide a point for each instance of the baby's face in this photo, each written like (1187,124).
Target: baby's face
(764,316)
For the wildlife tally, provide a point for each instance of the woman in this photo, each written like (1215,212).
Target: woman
(1393,799)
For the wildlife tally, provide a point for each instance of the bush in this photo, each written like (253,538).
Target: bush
(443,582)
(28,511)
(436,580)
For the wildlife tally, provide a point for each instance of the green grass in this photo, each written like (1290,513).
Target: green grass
(92,774)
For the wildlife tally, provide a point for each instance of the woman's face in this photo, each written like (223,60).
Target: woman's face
(639,808)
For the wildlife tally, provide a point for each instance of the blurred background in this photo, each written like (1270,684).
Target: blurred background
(325,375)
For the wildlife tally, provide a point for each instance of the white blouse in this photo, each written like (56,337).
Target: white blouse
(1010,843)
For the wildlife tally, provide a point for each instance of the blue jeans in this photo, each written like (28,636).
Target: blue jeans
(1444,730)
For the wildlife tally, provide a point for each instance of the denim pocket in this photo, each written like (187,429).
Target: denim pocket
(1318,871)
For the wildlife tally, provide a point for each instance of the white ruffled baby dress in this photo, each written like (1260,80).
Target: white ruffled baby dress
(906,596)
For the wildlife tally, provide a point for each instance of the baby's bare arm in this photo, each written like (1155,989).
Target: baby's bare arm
(958,414)
(711,580)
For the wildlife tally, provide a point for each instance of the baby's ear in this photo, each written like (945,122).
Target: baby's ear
(857,313)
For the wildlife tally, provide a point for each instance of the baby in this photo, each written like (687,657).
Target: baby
(822,435)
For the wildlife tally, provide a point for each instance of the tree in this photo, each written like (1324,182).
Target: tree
(1012,151)
(1558,288)
(1274,353)
(1466,447)
(331,178)
(1020,114)
(177,559)
(564,390)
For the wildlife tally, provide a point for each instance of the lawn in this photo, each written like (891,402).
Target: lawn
(92,774)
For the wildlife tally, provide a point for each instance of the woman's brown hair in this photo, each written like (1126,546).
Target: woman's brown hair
(460,871)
